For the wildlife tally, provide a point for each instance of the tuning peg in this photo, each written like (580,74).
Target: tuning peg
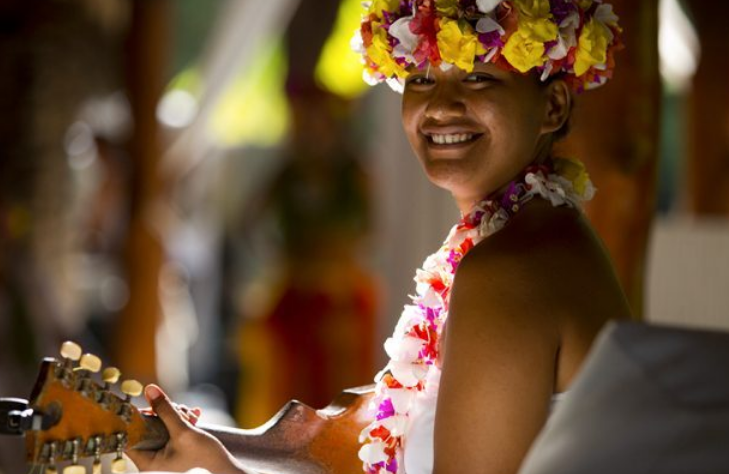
(51,470)
(90,362)
(96,447)
(71,351)
(74,469)
(131,388)
(118,465)
(110,375)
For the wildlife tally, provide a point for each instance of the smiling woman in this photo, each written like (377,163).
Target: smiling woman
(506,310)
(474,131)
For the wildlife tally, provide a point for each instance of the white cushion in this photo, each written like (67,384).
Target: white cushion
(649,400)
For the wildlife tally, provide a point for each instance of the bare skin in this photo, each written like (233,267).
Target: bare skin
(527,301)
(188,446)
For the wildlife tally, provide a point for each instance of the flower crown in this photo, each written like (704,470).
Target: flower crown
(573,39)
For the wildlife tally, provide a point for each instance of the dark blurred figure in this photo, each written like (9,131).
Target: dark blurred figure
(320,326)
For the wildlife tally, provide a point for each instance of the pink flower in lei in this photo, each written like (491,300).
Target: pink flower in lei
(413,348)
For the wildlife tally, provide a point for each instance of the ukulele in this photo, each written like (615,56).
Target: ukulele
(75,413)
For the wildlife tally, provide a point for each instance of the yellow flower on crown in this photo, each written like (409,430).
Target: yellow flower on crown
(584,4)
(377,6)
(380,53)
(592,46)
(539,29)
(458,46)
(523,52)
(534,8)
(517,35)
(525,48)
(448,8)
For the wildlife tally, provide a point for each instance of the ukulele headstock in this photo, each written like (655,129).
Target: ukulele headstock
(82,415)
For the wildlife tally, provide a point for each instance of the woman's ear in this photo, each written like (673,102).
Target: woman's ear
(559,106)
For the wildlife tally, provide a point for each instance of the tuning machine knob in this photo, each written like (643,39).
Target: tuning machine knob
(119,465)
(131,388)
(110,376)
(90,363)
(71,351)
(74,469)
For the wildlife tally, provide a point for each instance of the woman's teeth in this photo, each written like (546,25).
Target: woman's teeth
(451,139)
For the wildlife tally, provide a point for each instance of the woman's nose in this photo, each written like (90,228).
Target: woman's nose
(445,102)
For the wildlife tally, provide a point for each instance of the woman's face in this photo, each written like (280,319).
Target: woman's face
(474,132)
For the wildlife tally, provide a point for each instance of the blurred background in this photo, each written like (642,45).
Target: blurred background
(206,195)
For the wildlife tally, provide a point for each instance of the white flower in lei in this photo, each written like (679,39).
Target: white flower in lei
(413,348)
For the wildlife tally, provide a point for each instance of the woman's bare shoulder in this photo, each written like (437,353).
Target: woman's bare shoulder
(546,257)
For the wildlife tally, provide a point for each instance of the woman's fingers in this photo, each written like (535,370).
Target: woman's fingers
(192,415)
(173,419)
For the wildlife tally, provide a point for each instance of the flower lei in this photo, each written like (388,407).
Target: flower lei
(413,348)
(573,38)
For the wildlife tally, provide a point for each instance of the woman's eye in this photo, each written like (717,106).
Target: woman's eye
(478,78)
(418,81)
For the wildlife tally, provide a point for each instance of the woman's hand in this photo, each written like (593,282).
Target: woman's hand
(188,447)
(192,415)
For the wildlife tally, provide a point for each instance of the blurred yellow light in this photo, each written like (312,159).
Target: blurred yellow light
(339,69)
(253,110)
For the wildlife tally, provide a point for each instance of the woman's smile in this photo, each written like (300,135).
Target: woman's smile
(450,145)
(449,141)
(473,132)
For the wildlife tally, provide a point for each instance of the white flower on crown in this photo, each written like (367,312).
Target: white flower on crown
(605,14)
(487,6)
(567,38)
(489,25)
(407,40)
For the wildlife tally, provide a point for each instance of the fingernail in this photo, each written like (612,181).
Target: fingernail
(153,392)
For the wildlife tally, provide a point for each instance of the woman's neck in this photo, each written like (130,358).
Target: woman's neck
(543,155)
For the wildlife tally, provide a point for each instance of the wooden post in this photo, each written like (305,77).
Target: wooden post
(147,53)
(616,134)
(708,158)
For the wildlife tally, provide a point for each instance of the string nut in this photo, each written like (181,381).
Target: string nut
(71,351)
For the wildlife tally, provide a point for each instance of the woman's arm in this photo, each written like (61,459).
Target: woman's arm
(525,306)
(498,371)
